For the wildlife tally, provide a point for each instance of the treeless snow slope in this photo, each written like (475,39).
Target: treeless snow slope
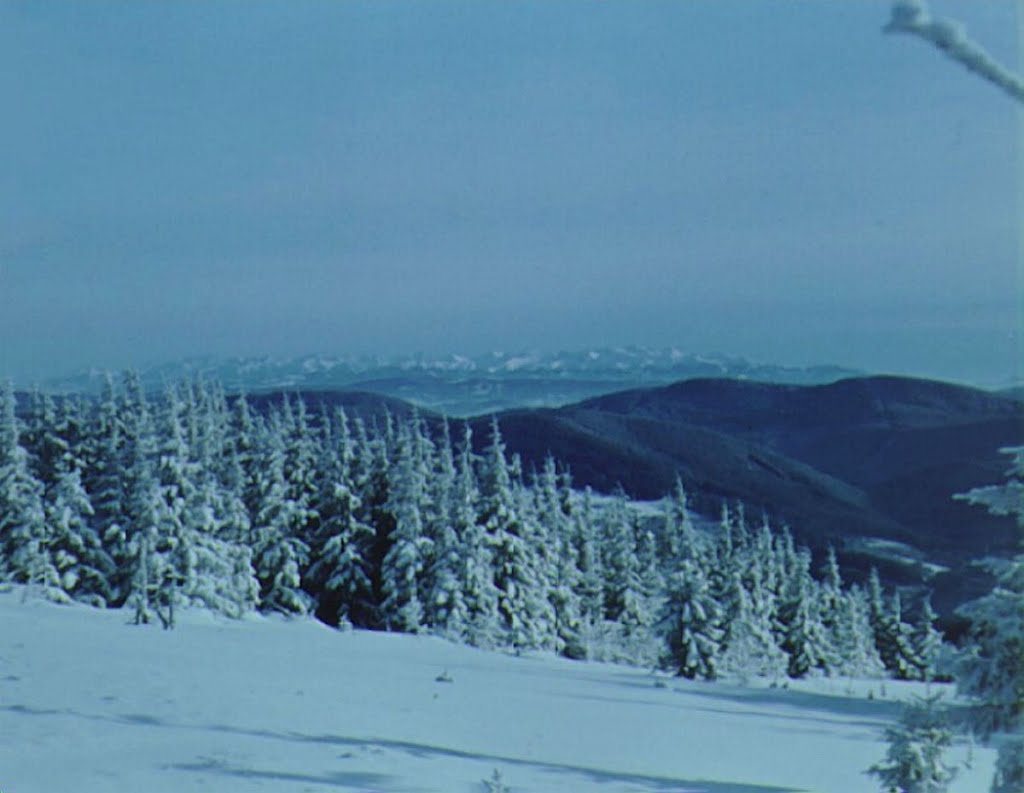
(91,704)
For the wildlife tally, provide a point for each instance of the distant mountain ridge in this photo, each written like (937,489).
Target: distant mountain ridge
(466,385)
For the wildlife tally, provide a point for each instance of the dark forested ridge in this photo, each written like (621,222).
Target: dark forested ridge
(875,457)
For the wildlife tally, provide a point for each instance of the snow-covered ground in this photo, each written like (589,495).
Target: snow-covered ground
(89,703)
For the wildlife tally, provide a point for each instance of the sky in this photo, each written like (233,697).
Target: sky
(777,180)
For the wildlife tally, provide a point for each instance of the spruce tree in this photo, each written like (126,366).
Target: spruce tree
(83,567)
(476,570)
(750,648)
(522,605)
(913,763)
(404,563)
(991,673)
(855,652)
(806,641)
(625,600)
(278,553)
(692,625)
(24,538)
(925,642)
(444,605)
(591,580)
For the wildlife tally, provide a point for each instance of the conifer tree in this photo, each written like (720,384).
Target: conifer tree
(300,458)
(892,634)
(749,644)
(853,639)
(925,642)
(806,641)
(677,538)
(43,440)
(624,598)
(445,604)
(339,575)
(692,624)
(405,560)
(83,567)
(522,606)
(898,648)
(24,538)
(591,580)
(991,672)
(103,465)
(914,763)
(561,568)
(476,571)
(278,554)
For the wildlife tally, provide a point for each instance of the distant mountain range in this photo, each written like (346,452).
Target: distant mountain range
(464,386)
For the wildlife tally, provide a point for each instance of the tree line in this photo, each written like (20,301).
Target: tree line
(196,499)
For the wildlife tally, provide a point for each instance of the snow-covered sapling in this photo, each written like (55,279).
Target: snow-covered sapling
(913,763)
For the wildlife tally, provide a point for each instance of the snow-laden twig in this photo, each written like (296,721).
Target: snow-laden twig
(913,17)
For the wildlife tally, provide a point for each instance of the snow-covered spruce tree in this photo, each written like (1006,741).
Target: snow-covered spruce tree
(892,634)
(925,642)
(373,460)
(103,478)
(300,466)
(691,623)
(907,665)
(444,605)
(554,515)
(214,563)
(913,763)
(339,576)
(806,641)
(676,540)
(523,609)
(278,554)
(144,524)
(24,538)
(855,654)
(750,646)
(244,434)
(83,567)
(991,671)
(591,580)
(830,593)
(625,599)
(42,439)
(404,563)
(175,477)
(475,572)
(219,573)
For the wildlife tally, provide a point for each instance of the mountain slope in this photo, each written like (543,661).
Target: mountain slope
(92,704)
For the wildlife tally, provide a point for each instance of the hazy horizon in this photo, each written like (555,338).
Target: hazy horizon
(780,182)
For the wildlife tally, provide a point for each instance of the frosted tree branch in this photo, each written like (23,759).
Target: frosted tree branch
(913,17)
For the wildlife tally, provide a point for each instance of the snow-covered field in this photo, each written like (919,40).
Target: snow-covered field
(91,704)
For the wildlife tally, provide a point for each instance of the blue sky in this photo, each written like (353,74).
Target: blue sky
(772,179)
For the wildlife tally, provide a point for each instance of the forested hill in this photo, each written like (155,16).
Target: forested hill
(862,458)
